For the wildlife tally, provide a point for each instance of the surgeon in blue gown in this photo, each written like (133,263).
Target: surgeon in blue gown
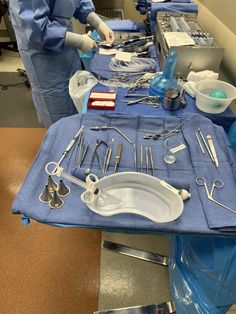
(49,49)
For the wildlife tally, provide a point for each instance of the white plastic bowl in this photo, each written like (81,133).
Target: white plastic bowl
(211,104)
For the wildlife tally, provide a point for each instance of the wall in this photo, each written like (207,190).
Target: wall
(223,10)
(2,25)
(128,6)
(131,13)
(109,4)
(220,22)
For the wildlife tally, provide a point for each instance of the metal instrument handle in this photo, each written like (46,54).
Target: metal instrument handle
(217,183)
(99,128)
(200,181)
(222,205)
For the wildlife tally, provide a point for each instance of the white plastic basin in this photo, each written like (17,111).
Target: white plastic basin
(211,104)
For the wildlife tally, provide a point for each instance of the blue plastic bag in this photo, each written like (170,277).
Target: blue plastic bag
(86,57)
(232,135)
(202,273)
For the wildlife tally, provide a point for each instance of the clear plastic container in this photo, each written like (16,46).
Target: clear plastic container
(211,104)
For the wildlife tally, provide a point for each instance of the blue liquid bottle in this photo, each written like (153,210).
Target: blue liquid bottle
(166,80)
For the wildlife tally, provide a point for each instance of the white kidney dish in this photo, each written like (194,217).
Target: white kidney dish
(141,194)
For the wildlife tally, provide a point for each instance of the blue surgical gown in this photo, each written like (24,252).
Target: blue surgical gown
(40,27)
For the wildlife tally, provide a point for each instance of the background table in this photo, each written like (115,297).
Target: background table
(100,67)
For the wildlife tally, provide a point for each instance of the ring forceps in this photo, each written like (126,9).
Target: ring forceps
(218,184)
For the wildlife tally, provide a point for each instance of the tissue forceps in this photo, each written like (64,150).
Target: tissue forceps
(218,184)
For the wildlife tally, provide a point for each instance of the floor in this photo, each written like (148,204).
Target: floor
(42,269)
(125,281)
(51,270)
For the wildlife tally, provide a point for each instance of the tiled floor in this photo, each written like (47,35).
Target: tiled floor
(124,281)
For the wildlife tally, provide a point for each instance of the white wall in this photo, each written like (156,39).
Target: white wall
(220,22)
(131,13)
(224,10)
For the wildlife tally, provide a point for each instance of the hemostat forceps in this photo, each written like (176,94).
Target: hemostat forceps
(95,153)
(217,183)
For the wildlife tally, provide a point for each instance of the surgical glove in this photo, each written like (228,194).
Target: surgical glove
(103,30)
(88,43)
(106,33)
(82,42)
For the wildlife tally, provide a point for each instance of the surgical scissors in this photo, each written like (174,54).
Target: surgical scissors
(218,184)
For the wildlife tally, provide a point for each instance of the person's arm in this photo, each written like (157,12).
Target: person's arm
(83,9)
(103,30)
(85,14)
(82,42)
(46,33)
(42,31)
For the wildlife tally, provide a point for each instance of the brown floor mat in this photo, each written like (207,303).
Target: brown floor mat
(43,269)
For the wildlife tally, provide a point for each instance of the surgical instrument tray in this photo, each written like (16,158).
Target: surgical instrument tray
(205,54)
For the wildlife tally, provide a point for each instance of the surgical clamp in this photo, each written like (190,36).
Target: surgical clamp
(81,153)
(84,153)
(105,128)
(217,183)
(95,153)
